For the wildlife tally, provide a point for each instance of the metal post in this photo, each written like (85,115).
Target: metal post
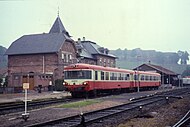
(138,85)
(25,116)
(25,101)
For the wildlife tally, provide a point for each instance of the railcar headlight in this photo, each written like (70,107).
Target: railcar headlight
(65,83)
(85,83)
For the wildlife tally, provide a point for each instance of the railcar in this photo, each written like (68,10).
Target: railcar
(84,79)
(186,81)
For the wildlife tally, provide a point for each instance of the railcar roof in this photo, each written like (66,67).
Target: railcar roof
(95,67)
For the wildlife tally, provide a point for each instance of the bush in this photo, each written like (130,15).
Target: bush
(59,85)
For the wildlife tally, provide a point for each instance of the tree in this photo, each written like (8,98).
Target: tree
(184,57)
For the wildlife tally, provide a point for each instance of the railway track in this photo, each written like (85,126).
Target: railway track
(12,107)
(184,122)
(108,113)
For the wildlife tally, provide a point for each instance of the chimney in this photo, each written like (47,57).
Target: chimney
(83,39)
(79,40)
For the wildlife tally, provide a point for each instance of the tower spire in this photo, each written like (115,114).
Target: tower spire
(58,12)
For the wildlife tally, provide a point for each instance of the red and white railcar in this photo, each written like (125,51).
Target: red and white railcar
(84,78)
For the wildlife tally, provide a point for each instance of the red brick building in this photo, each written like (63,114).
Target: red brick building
(91,53)
(40,58)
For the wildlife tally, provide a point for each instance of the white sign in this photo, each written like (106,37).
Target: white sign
(25,85)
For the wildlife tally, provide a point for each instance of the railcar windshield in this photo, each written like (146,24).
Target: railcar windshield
(78,74)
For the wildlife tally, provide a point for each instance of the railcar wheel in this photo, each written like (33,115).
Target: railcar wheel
(95,93)
(73,94)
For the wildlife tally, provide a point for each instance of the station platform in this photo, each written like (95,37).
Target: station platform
(32,95)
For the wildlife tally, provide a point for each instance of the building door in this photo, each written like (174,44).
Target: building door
(30,79)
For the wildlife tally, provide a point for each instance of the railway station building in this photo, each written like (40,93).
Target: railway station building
(39,59)
(168,77)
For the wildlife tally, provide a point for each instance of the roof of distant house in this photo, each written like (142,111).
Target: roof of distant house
(90,48)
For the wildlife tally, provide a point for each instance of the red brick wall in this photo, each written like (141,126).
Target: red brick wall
(19,65)
(105,61)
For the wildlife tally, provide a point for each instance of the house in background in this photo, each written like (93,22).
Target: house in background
(40,58)
(167,76)
(91,53)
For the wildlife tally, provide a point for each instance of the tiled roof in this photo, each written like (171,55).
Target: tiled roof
(38,43)
(58,27)
(41,43)
(84,52)
(161,69)
(94,49)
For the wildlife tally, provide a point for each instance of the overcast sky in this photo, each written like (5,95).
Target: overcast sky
(162,25)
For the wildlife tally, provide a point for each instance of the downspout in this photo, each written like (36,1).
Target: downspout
(43,66)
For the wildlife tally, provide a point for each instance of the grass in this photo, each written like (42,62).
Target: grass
(79,104)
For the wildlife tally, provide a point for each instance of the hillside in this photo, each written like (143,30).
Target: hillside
(130,59)
(3,58)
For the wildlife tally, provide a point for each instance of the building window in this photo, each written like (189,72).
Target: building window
(101,61)
(111,63)
(104,62)
(16,77)
(66,57)
(70,57)
(108,62)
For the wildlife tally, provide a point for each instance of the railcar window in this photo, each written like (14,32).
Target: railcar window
(136,77)
(154,78)
(102,75)
(120,76)
(146,77)
(115,76)
(142,77)
(150,78)
(111,76)
(107,75)
(127,77)
(81,74)
(96,75)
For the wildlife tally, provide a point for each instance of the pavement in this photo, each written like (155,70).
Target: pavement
(32,95)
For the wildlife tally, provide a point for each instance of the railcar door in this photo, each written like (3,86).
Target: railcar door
(95,82)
